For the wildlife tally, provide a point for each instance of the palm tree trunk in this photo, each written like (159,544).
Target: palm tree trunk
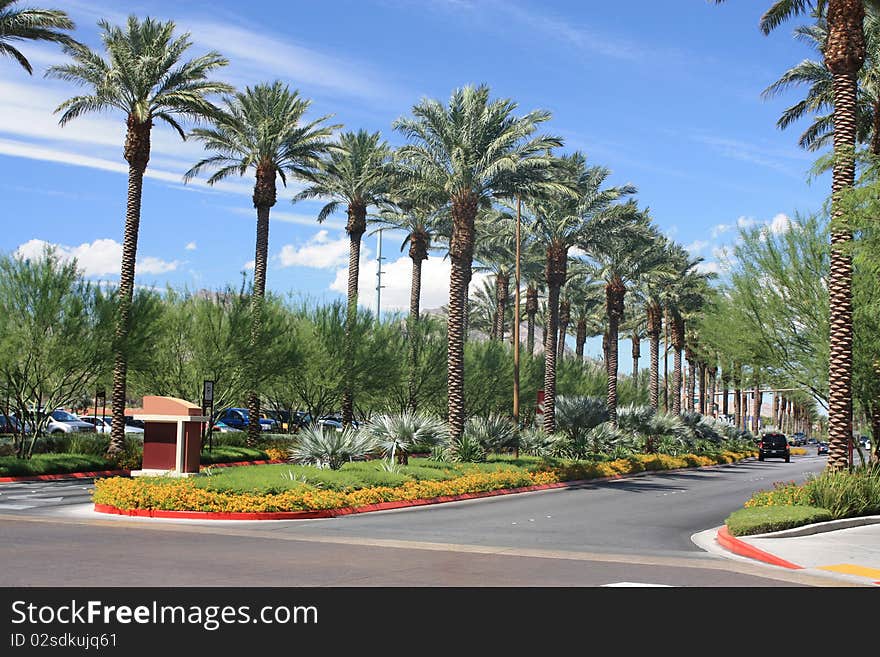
(745,409)
(666,364)
(556,269)
(636,354)
(614,299)
(550,336)
(564,319)
(531,311)
(844,55)
(725,403)
(414,301)
(580,339)
(502,282)
(737,406)
(654,381)
(677,346)
(756,408)
(137,154)
(461,251)
(356,227)
(264,198)
(702,382)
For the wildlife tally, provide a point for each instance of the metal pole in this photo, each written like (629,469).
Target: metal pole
(516,323)
(379,277)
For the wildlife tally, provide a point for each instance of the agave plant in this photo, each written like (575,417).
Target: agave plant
(466,449)
(576,415)
(396,435)
(648,427)
(495,433)
(703,428)
(599,441)
(534,442)
(331,448)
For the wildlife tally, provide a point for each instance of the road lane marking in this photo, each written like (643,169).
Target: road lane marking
(852,569)
(633,584)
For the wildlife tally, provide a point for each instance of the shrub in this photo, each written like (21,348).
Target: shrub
(576,415)
(466,449)
(595,442)
(534,442)
(847,494)
(495,433)
(400,433)
(330,448)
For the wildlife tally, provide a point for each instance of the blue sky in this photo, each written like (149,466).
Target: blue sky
(665,94)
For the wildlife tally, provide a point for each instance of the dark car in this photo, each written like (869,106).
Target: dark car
(774,446)
(9,424)
(238,418)
(800,438)
(821,448)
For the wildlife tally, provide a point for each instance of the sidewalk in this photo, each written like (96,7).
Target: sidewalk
(844,549)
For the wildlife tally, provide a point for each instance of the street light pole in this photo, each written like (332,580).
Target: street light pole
(516,323)
(379,285)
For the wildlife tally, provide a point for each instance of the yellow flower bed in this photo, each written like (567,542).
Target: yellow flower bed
(184,495)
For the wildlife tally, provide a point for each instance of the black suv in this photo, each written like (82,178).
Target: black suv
(774,445)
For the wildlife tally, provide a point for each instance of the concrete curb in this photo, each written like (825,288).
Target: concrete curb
(733,544)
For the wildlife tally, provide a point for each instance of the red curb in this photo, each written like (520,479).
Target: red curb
(730,542)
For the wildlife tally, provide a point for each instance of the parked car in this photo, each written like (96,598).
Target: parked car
(60,421)
(821,448)
(131,422)
(9,424)
(238,418)
(222,427)
(102,425)
(774,445)
(812,441)
(334,420)
(800,438)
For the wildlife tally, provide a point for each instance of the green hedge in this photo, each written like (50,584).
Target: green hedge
(762,519)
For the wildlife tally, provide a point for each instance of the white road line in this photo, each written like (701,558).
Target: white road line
(634,584)
(16,507)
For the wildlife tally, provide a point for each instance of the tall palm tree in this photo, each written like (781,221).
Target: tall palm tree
(843,54)
(685,296)
(146,78)
(532,272)
(652,287)
(262,130)
(560,223)
(587,298)
(469,152)
(497,253)
(623,251)
(355,174)
(31,25)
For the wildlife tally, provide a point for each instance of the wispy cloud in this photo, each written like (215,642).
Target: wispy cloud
(292,218)
(98,258)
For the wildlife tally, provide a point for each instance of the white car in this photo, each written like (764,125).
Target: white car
(102,425)
(60,421)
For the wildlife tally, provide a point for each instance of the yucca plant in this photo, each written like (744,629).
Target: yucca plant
(330,448)
(534,442)
(466,449)
(596,442)
(396,434)
(576,415)
(495,433)
(647,427)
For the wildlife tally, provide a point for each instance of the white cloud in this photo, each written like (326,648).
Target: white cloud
(397,278)
(153,265)
(191,246)
(249,265)
(696,246)
(781,223)
(708,267)
(98,258)
(746,222)
(720,229)
(319,252)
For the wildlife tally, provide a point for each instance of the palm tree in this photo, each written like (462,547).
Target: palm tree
(146,78)
(685,296)
(355,174)
(468,153)
(843,54)
(31,25)
(497,253)
(560,223)
(262,129)
(587,300)
(532,273)
(622,251)
(652,287)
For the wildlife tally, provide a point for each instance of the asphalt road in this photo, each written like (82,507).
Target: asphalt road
(633,531)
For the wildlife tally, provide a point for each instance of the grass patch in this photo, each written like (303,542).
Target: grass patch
(761,519)
(40,464)
(230,454)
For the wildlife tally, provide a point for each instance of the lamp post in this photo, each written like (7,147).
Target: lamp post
(379,285)
(516,325)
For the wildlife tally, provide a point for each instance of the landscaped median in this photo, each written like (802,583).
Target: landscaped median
(284,492)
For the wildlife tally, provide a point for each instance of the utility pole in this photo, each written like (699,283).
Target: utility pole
(379,285)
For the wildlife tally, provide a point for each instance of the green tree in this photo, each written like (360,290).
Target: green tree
(466,154)
(263,130)
(145,77)
(31,25)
